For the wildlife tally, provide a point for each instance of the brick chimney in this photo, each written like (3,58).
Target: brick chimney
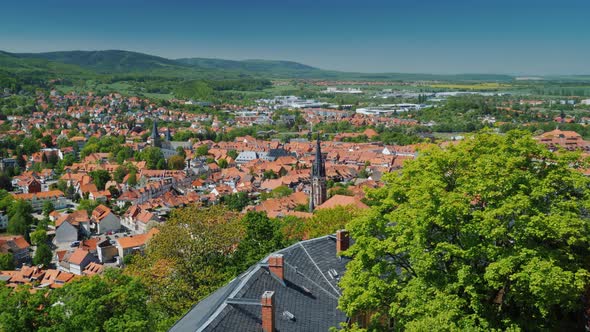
(268,311)
(342,241)
(276,266)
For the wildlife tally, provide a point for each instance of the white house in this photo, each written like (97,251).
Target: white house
(76,261)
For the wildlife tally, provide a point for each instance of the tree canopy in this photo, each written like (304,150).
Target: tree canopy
(189,258)
(492,233)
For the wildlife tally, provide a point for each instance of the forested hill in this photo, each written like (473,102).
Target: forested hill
(126,62)
(270,67)
(112,61)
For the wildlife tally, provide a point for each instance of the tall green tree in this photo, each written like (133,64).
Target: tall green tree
(492,233)
(6,261)
(263,236)
(38,237)
(20,217)
(43,255)
(100,178)
(48,207)
(153,157)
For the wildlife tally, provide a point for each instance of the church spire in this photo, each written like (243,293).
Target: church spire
(318,178)
(155,134)
(319,168)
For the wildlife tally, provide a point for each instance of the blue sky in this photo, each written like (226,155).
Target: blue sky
(423,36)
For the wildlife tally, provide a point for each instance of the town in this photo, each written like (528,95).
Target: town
(294,166)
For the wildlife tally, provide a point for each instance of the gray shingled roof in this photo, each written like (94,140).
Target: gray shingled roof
(310,293)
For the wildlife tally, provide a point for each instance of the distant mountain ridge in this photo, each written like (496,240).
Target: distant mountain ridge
(127,62)
(107,61)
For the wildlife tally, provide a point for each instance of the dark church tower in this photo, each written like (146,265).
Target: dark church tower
(156,135)
(318,179)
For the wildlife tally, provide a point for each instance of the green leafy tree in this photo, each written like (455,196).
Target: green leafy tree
(222,163)
(120,173)
(263,236)
(43,255)
(202,150)
(269,174)
(237,201)
(281,191)
(6,261)
(189,258)
(180,151)
(100,178)
(20,217)
(132,179)
(492,233)
(233,154)
(21,310)
(88,204)
(111,302)
(38,237)
(176,162)
(153,157)
(48,207)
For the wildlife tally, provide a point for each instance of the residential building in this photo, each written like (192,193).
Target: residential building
(103,220)
(134,243)
(76,261)
(71,227)
(56,197)
(17,246)
(293,289)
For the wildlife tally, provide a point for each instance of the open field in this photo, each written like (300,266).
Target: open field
(475,86)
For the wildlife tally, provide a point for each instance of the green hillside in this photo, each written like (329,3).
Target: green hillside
(112,61)
(125,62)
(12,63)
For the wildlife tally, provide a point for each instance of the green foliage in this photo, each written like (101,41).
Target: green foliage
(111,302)
(21,309)
(88,204)
(197,90)
(328,221)
(340,190)
(236,202)
(278,192)
(132,179)
(491,233)
(233,154)
(176,162)
(153,157)
(6,200)
(202,150)
(189,258)
(6,261)
(222,163)
(48,207)
(120,173)
(20,217)
(263,236)
(38,237)
(43,255)
(269,174)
